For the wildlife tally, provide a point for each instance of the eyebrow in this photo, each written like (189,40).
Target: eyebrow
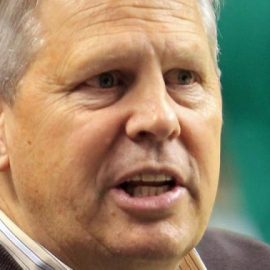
(193,52)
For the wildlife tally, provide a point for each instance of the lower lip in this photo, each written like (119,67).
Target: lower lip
(152,204)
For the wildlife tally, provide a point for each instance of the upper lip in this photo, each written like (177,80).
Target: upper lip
(150,169)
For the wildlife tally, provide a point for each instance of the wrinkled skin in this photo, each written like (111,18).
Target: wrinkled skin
(66,140)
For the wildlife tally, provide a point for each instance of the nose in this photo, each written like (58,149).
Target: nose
(153,117)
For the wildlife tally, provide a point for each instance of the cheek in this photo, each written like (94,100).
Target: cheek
(87,146)
(63,159)
(92,137)
(201,136)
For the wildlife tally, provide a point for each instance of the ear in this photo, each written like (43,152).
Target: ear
(4,158)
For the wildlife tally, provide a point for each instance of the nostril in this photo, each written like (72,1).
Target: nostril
(142,134)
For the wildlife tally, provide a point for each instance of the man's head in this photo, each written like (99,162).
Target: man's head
(110,144)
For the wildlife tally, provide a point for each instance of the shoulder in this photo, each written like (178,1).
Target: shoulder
(223,250)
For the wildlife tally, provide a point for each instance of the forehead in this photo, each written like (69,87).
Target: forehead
(86,31)
(99,16)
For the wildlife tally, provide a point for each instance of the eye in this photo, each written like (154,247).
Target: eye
(180,77)
(185,77)
(105,80)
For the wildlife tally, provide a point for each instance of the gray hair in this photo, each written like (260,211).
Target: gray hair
(19,39)
(17,43)
(209,9)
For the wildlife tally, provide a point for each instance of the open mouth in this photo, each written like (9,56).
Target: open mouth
(147,185)
(150,194)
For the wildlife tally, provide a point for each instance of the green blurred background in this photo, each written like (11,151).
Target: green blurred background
(243,202)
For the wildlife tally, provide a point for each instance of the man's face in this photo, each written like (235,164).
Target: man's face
(114,137)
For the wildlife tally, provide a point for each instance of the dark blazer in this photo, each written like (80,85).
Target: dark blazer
(6,261)
(223,250)
(219,249)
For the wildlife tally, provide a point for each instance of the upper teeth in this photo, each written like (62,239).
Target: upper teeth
(146,177)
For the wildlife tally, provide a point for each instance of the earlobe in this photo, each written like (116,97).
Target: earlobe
(4,158)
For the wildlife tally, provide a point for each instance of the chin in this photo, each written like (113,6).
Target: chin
(153,246)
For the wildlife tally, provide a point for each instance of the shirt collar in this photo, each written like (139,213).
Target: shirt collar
(31,255)
(27,253)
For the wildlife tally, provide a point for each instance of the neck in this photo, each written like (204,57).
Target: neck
(116,262)
(134,265)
